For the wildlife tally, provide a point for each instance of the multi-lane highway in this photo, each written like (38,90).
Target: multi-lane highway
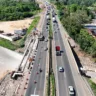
(71,75)
(65,78)
(40,62)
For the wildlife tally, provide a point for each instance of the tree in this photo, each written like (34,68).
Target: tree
(93,49)
(85,40)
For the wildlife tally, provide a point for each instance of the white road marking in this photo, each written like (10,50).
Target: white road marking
(34,91)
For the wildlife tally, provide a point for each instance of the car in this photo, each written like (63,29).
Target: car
(40,70)
(35,81)
(45,48)
(61,69)
(71,91)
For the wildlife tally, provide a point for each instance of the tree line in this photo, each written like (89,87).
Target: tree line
(79,2)
(13,10)
(73,17)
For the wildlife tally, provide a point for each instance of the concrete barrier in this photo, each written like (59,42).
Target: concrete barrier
(6,37)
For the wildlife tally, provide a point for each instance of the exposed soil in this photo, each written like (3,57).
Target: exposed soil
(10,26)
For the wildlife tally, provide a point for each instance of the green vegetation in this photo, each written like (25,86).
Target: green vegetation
(73,17)
(50,30)
(52,85)
(48,86)
(93,86)
(7,44)
(13,10)
(21,42)
(79,2)
(33,25)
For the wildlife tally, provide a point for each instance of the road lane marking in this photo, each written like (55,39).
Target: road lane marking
(34,91)
(66,84)
(57,83)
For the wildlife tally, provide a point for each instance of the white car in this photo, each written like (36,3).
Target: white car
(71,91)
(45,48)
(61,69)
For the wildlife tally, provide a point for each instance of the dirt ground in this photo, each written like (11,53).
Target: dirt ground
(10,26)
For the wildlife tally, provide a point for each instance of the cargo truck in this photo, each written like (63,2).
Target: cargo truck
(58,53)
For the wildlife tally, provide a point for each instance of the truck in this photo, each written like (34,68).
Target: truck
(58,52)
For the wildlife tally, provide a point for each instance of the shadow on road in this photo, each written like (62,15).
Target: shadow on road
(78,63)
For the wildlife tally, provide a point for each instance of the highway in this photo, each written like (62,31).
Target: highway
(71,75)
(64,79)
(40,62)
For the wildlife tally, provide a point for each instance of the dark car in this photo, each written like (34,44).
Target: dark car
(40,70)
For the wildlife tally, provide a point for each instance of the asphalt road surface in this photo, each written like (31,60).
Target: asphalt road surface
(40,62)
(65,78)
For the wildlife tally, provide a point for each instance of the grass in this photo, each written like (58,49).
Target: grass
(52,81)
(34,23)
(48,87)
(37,12)
(50,31)
(7,44)
(93,86)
